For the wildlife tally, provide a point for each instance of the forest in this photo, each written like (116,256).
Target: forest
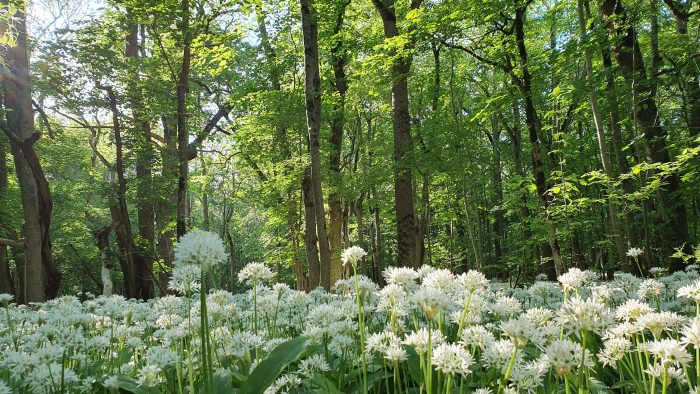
(516,180)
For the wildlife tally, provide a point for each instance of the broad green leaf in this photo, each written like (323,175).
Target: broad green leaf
(267,371)
(413,363)
(325,385)
(132,386)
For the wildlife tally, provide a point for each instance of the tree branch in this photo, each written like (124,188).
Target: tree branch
(11,242)
(44,118)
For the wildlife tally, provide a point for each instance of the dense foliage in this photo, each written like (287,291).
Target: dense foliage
(533,142)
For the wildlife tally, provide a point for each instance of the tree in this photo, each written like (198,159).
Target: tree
(40,279)
(629,58)
(312,93)
(401,59)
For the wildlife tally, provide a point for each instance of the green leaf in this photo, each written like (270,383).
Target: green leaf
(325,385)
(266,372)
(222,385)
(413,363)
(131,386)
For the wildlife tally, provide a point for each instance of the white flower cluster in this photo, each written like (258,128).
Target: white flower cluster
(467,330)
(200,248)
(255,272)
(353,255)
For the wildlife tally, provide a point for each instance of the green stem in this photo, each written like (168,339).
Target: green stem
(584,336)
(664,384)
(361,321)
(255,306)
(504,382)
(429,361)
(203,329)
(464,315)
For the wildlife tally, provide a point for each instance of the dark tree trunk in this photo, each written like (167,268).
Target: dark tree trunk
(119,209)
(310,238)
(312,93)
(515,134)
(340,86)
(535,133)
(182,132)
(143,263)
(403,142)
(629,58)
(688,72)
(617,143)
(165,210)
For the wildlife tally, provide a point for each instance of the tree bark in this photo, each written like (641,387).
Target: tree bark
(403,142)
(312,93)
(119,209)
(310,237)
(182,132)
(688,73)
(628,55)
(165,209)
(143,263)
(7,284)
(102,236)
(41,278)
(340,86)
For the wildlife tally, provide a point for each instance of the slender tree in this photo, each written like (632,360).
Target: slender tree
(401,60)
(312,93)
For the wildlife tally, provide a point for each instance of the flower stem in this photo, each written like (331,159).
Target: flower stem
(664,384)
(361,321)
(504,382)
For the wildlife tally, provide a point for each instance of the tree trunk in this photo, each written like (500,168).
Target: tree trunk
(182,132)
(629,58)
(516,137)
(119,209)
(618,234)
(360,215)
(312,93)
(618,144)
(7,284)
(403,142)
(310,238)
(498,223)
(143,263)
(535,131)
(338,60)
(376,243)
(165,212)
(41,278)
(688,73)
(423,221)
(102,236)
